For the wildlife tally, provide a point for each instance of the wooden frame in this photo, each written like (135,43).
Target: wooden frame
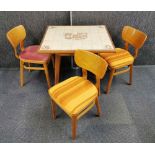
(75,118)
(45,68)
(114,72)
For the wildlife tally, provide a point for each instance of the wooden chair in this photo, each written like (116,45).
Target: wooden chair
(77,95)
(122,58)
(28,55)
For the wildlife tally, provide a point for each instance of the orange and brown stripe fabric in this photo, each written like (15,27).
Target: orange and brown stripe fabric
(74,94)
(118,59)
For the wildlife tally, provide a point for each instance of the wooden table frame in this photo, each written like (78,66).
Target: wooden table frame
(59,53)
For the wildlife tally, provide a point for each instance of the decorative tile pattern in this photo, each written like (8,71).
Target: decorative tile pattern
(108,47)
(76,36)
(46,47)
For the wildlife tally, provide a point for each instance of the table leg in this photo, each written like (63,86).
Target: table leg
(57,68)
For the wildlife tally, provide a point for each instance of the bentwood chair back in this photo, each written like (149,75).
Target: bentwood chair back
(17,36)
(77,95)
(133,37)
(28,55)
(90,62)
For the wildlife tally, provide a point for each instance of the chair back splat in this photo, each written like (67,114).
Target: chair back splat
(91,62)
(133,37)
(16,36)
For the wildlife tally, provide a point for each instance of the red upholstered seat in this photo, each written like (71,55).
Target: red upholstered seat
(31,53)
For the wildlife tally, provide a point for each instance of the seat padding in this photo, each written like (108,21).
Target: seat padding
(118,59)
(74,94)
(31,53)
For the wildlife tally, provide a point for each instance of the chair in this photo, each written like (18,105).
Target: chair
(28,55)
(122,58)
(77,95)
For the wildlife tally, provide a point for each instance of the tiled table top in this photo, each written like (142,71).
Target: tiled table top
(62,39)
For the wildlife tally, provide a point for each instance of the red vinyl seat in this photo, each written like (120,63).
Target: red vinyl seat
(31,53)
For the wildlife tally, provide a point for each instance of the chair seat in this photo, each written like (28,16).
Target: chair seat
(119,59)
(74,94)
(31,53)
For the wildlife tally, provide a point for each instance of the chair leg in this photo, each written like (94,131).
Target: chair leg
(21,73)
(74,126)
(98,107)
(110,81)
(53,109)
(47,75)
(131,71)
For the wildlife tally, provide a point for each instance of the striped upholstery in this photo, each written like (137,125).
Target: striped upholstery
(74,94)
(119,59)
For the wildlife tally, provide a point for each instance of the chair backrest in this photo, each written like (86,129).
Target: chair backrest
(16,36)
(91,62)
(133,36)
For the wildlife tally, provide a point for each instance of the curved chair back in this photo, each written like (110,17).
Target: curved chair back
(16,36)
(133,36)
(91,62)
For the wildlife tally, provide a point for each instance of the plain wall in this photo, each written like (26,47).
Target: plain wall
(36,23)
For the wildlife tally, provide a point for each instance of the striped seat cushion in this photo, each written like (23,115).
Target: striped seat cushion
(119,59)
(74,94)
